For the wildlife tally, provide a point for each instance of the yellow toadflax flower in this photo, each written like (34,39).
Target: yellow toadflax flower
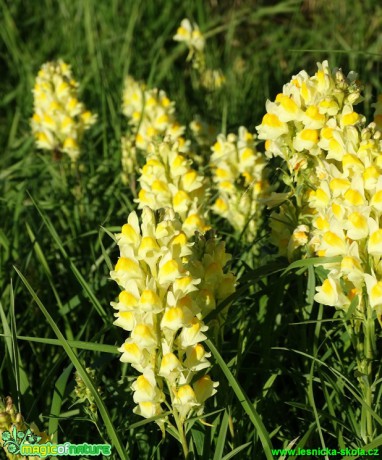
(190,34)
(150,113)
(308,121)
(161,306)
(239,176)
(59,118)
(168,180)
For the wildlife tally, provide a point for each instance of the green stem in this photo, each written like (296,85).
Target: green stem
(368,356)
(365,346)
(181,432)
(179,423)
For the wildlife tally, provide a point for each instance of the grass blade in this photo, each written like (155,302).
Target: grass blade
(244,401)
(112,432)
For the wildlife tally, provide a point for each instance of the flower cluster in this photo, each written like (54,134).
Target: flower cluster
(190,35)
(160,306)
(308,125)
(168,180)
(238,172)
(129,160)
(211,79)
(151,113)
(346,209)
(310,119)
(337,160)
(84,396)
(59,119)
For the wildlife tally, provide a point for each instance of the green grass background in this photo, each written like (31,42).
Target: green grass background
(286,368)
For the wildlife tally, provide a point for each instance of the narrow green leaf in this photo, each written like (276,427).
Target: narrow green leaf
(101,347)
(244,401)
(219,450)
(111,430)
(236,451)
(99,308)
(58,395)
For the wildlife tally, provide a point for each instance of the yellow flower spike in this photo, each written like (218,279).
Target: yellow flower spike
(179,186)
(150,112)
(58,112)
(162,305)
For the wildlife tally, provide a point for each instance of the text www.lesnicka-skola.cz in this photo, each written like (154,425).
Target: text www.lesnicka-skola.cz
(326,452)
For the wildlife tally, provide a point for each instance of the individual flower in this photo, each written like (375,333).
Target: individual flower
(60,119)
(212,79)
(190,34)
